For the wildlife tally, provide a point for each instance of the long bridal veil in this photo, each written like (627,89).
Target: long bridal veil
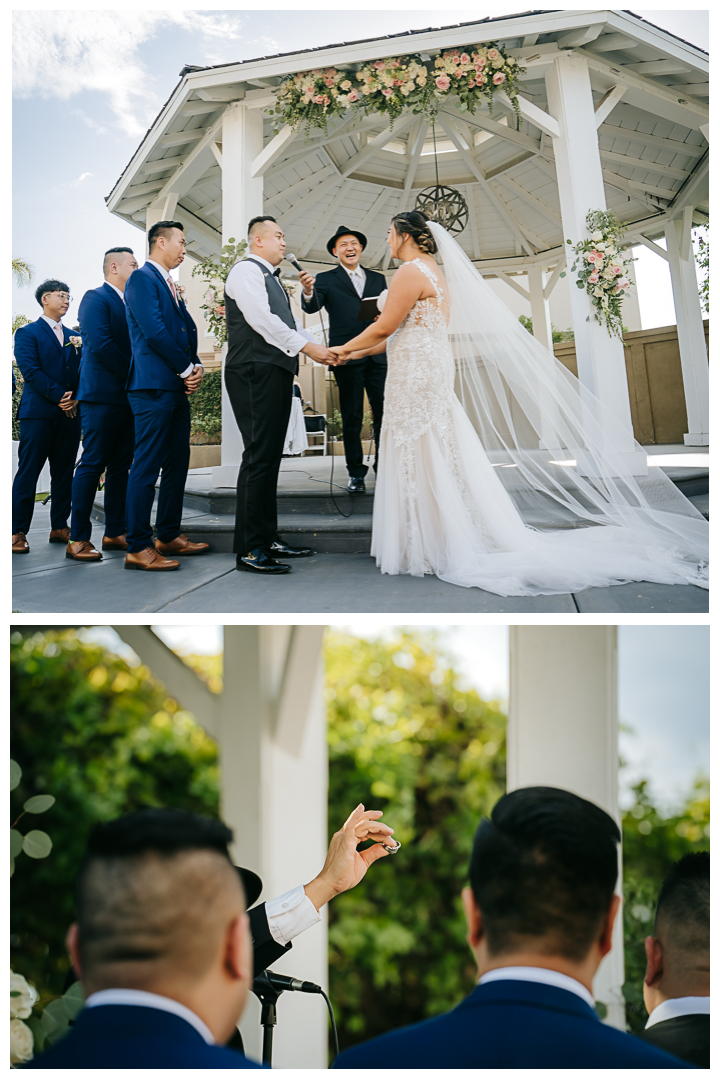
(564,458)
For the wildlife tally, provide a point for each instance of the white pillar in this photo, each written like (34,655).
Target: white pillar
(691,334)
(242,194)
(273,779)
(563,732)
(600,356)
(539,307)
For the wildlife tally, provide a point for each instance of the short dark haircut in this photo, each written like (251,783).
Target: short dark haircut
(114,251)
(257,220)
(162,228)
(683,906)
(543,871)
(51,285)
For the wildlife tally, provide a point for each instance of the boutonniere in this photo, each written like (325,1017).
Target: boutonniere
(180,290)
(75,341)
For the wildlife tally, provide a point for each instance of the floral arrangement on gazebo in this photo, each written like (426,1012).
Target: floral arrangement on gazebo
(600,265)
(397,83)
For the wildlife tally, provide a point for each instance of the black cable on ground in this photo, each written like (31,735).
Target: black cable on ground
(332,462)
(334,1025)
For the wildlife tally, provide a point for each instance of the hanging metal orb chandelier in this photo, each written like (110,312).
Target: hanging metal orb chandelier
(445,205)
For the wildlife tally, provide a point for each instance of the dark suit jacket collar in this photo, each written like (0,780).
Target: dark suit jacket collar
(150,268)
(344,279)
(51,333)
(109,290)
(123,1019)
(522,992)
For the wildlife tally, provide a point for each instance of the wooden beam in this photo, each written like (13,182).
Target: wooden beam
(470,200)
(526,155)
(192,221)
(143,189)
(194,166)
(216,152)
(532,200)
(306,182)
(532,114)
(621,184)
(375,209)
(162,163)
(554,277)
(697,179)
(323,220)
(513,284)
(658,67)
(529,39)
(416,140)
(299,683)
(222,94)
(270,153)
(700,89)
(651,245)
(685,243)
(608,102)
(376,144)
(614,43)
(507,133)
(696,113)
(642,163)
(310,199)
(212,207)
(477,172)
(201,108)
(582,36)
(691,149)
(180,138)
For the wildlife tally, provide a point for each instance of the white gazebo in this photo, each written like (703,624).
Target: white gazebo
(269,723)
(615,116)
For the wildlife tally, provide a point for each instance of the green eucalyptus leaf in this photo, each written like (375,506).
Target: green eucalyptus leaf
(15,774)
(12,867)
(35,1025)
(37,844)
(562,273)
(54,1021)
(73,1000)
(38,804)
(16,843)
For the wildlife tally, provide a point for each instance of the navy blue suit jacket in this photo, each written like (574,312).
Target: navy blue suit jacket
(106,347)
(48,369)
(135,1037)
(510,1025)
(162,333)
(336,293)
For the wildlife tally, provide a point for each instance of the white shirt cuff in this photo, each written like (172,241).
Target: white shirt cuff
(188,371)
(290,914)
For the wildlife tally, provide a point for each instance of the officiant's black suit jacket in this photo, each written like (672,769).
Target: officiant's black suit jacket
(687,1037)
(335,292)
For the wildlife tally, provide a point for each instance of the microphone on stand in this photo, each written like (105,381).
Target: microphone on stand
(284,982)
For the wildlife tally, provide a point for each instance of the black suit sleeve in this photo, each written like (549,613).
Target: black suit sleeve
(265,948)
(316,301)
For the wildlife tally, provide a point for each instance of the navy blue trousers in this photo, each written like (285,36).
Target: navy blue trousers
(108,444)
(162,442)
(44,440)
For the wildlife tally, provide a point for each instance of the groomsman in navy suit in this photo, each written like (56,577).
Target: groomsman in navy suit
(107,422)
(48,355)
(164,370)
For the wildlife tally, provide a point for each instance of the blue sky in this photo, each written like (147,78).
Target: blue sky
(663,689)
(87,85)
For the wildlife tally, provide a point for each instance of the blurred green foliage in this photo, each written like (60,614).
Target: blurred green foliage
(206,410)
(408,738)
(104,739)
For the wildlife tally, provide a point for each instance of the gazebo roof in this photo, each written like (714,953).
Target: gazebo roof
(650,88)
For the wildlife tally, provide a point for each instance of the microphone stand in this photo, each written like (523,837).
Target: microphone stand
(268,995)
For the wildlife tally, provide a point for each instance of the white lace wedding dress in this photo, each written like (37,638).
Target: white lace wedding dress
(441,508)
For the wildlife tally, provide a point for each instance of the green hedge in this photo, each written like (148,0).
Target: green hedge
(206,410)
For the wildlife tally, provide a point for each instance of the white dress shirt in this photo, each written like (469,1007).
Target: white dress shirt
(56,327)
(357,277)
(166,275)
(120,293)
(247,288)
(540,975)
(150,1001)
(682,1006)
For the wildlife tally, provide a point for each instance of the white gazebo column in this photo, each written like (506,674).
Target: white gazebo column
(691,334)
(242,195)
(539,307)
(600,356)
(273,760)
(563,732)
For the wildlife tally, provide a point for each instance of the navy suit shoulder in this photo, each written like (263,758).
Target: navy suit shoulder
(163,334)
(510,1024)
(336,293)
(48,369)
(135,1037)
(106,347)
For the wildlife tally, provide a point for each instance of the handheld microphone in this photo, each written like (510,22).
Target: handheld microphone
(293,260)
(285,982)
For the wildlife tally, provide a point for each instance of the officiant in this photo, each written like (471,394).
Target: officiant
(340,291)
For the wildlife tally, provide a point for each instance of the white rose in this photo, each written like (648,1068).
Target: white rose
(597,235)
(600,247)
(23,996)
(598,291)
(21,1042)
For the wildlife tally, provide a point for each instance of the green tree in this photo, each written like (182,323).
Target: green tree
(557,335)
(206,410)
(22,271)
(406,737)
(702,261)
(652,842)
(104,738)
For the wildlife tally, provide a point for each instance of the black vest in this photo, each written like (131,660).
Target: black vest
(245,345)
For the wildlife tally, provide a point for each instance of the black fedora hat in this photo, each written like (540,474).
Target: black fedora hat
(252,885)
(344,231)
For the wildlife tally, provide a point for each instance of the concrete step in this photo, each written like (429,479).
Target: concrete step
(330,534)
(315,500)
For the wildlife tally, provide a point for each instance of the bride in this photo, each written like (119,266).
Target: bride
(497,468)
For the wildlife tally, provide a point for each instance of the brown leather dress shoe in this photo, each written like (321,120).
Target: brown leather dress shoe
(20,545)
(181,546)
(149,559)
(59,536)
(82,551)
(114,543)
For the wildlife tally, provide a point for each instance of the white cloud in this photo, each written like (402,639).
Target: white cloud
(61,53)
(83,176)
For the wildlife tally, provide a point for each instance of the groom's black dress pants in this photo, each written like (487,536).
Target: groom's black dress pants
(261,399)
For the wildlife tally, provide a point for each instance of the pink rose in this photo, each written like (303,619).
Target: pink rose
(456,59)
(594,277)
(345,84)
(353,96)
(471,82)
(493,54)
(498,78)
(480,62)
(442,82)
(464,59)
(617,269)
(387,92)
(396,82)
(319,99)
(380,65)
(623,283)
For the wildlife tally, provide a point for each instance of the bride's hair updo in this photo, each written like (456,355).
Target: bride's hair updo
(414,223)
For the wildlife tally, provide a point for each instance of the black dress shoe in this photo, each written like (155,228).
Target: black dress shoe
(259,561)
(284,551)
(356,485)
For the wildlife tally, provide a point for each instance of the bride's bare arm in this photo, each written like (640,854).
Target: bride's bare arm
(405,290)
